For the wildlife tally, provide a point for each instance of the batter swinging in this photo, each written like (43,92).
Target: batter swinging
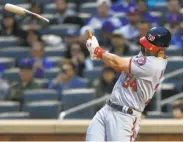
(119,119)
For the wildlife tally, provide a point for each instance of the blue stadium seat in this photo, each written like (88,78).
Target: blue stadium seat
(51,8)
(43,109)
(7,62)
(55,60)
(155,115)
(73,97)
(93,74)
(43,83)
(174,52)
(14,1)
(84,17)
(9,41)
(60,30)
(88,7)
(14,115)
(54,52)
(51,73)
(40,95)
(9,106)
(98,63)
(12,74)
(15,52)
(44,2)
(174,63)
(161,7)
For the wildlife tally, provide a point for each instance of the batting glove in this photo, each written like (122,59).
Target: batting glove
(95,50)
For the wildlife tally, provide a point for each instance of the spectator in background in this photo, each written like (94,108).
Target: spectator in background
(108,27)
(145,14)
(144,26)
(32,37)
(78,58)
(103,13)
(5,85)
(62,11)
(178,109)
(72,36)
(82,41)
(27,82)
(122,6)
(39,60)
(67,78)
(105,83)
(119,46)
(174,7)
(131,31)
(175,27)
(9,26)
(32,20)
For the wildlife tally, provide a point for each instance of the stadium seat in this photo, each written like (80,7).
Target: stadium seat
(51,8)
(12,74)
(1,9)
(14,115)
(54,52)
(15,52)
(174,52)
(98,63)
(7,62)
(59,30)
(88,7)
(161,7)
(51,73)
(174,63)
(43,2)
(73,97)
(43,109)
(43,83)
(84,16)
(155,115)
(14,1)
(40,95)
(93,74)
(56,60)
(9,106)
(9,41)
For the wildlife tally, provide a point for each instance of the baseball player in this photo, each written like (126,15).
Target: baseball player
(119,119)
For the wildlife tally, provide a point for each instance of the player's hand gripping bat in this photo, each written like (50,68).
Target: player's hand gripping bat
(92,44)
(22,11)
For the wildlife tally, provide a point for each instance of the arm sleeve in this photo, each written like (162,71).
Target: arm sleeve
(141,68)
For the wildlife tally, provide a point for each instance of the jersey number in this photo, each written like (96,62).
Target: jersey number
(130,83)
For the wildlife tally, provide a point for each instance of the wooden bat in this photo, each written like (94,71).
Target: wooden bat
(90,34)
(22,11)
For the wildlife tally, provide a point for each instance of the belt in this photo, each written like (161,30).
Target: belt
(124,109)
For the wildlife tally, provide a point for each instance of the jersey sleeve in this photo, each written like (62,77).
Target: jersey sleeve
(142,67)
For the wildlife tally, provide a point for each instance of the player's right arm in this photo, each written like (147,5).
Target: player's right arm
(116,62)
(139,67)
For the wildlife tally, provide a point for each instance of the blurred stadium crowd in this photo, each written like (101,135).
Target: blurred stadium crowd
(45,68)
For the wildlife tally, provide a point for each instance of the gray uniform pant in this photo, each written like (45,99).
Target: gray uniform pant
(111,125)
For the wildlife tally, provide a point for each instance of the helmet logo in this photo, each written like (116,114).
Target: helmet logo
(151,38)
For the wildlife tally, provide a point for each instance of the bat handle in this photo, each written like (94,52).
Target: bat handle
(90,34)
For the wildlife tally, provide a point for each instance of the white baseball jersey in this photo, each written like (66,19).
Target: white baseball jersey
(136,88)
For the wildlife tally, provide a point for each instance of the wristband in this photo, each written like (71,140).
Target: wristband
(99,51)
